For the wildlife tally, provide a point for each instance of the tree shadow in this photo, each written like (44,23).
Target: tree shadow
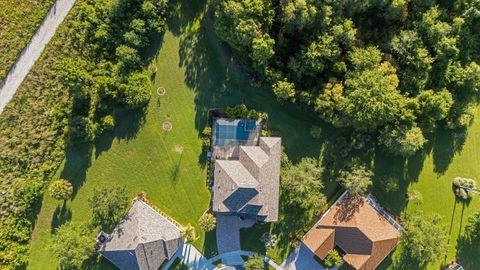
(77,162)
(176,170)
(446,143)
(467,252)
(61,215)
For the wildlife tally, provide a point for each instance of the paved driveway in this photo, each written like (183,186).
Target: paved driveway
(228,232)
(302,259)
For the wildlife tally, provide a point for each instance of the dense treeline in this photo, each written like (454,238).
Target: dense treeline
(93,65)
(19,19)
(400,68)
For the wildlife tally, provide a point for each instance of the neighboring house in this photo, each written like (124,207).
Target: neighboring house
(142,240)
(358,228)
(247,176)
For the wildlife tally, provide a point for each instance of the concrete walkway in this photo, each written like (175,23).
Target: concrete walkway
(302,258)
(194,259)
(240,253)
(34,49)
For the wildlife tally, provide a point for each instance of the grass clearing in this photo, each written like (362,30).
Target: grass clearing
(170,166)
(19,19)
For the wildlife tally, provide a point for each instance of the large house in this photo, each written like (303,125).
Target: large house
(247,170)
(143,239)
(357,227)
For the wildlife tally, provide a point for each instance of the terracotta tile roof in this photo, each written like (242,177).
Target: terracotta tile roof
(359,230)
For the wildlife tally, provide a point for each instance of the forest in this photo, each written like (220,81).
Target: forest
(398,69)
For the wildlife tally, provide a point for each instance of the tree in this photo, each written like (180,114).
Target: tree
(302,187)
(60,189)
(136,92)
(329,104)
(424,241)
(372,97)
(463,187)
(254,263)
(284,90)
(401,140)
(333,259)
(207,222)
(297,14)
(188,232)
(357,180)
(434,106)
(127,57)
(108,204)
(82,129)
(262,49)
(472,229)
(415,60)
(365,58)
(73,244)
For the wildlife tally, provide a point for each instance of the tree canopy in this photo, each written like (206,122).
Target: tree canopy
(372,65)
(108,204)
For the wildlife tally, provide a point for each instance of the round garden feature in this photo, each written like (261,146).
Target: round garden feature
(167,126)
(161,91)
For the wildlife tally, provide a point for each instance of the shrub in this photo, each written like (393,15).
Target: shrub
(207,222)
(402,140)
(254,263)
(316,132)
(207,132)
(108,123)
(415,197)
(461,186)
(189,233)
(60,189)
(333,259)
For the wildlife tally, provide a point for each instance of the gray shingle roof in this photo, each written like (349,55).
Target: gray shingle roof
(249,186)
(143,239)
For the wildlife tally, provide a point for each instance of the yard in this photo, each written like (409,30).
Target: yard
(197,74)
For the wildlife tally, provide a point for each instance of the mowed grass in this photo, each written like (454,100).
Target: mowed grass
(19,19)
(435,174)
(197,74)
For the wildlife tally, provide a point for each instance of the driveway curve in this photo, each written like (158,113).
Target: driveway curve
(33,50)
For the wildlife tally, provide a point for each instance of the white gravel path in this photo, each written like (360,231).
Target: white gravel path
(34,49)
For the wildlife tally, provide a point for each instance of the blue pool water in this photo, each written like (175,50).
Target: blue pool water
(227,130)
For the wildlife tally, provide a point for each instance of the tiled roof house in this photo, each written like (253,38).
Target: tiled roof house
(358,229)
(249,186)
(142,240)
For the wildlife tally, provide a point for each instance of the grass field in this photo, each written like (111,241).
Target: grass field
(451,154)
(197,74)
(19,19)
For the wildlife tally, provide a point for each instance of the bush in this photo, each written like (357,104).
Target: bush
(60,189)
(316,132)
(242,111)
(188,232)
(333,259)
(461,186)
(108,123)
(284,90)
(254,263)
(207,222)
(402,140)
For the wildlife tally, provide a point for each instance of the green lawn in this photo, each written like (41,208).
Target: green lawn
(449,154)
(19,21)
(197,74)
